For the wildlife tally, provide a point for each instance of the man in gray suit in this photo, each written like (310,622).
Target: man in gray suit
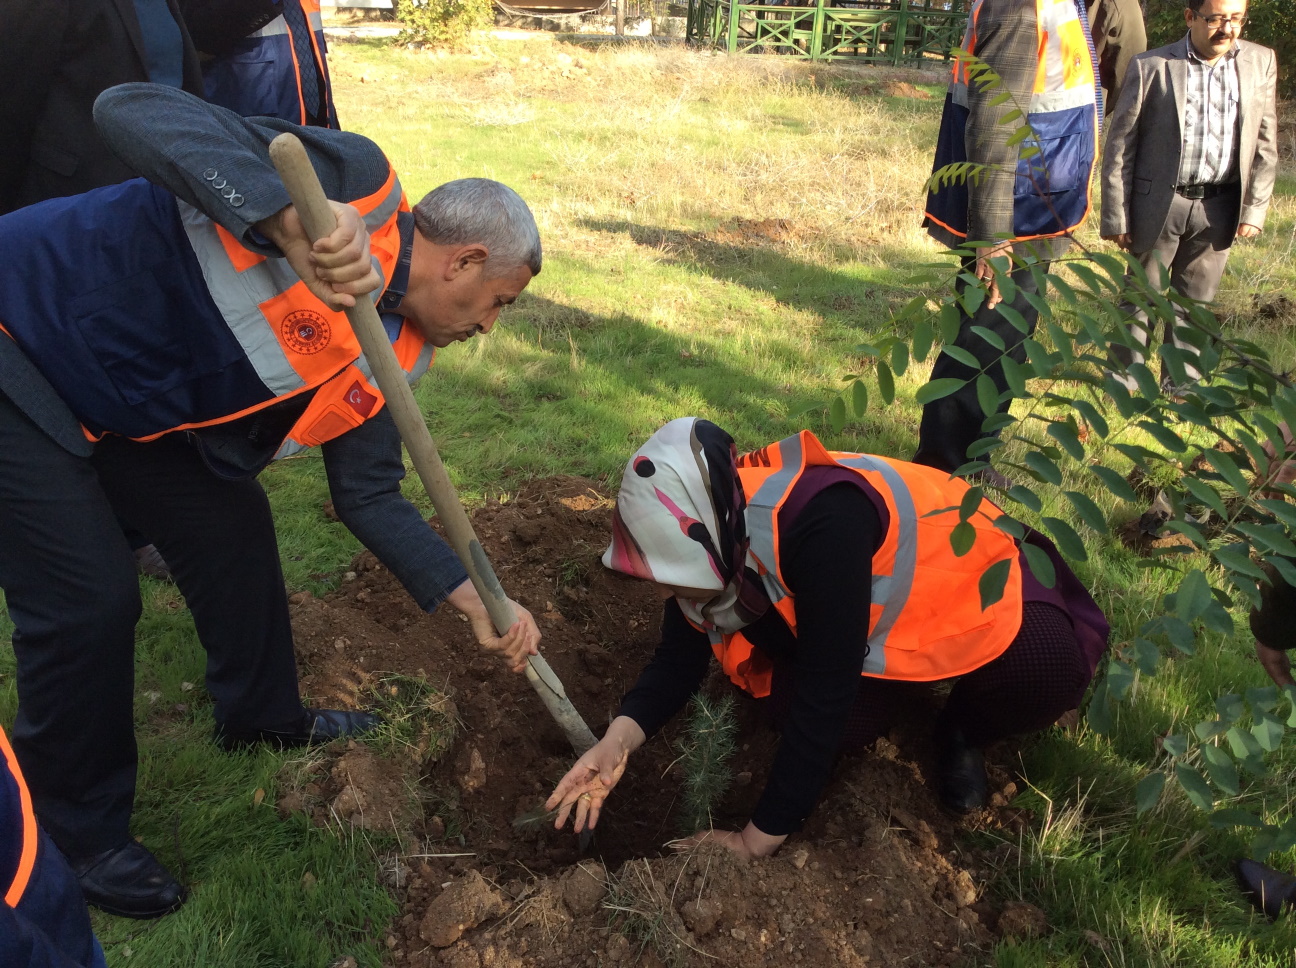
(1190,161)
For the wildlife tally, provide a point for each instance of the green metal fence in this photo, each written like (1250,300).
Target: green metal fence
(880,32)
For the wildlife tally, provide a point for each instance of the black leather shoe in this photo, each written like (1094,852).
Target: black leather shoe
(1267,889)
(961,772)
(129,882)
(316,726)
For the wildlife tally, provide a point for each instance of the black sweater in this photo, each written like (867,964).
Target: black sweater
(827,563)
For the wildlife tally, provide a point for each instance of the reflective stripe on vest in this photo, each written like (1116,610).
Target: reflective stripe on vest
(30,834)
(912,568)
(291,338)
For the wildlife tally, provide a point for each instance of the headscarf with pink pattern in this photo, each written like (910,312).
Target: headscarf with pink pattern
(679,521)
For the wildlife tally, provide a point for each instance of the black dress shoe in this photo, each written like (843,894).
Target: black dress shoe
(1267,889)
(129,882)
(961,772)
(315,726)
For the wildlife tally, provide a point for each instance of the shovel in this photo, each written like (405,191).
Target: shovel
(317,218)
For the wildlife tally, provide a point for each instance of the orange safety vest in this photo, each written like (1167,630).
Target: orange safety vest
(17,886)
(310,346)
(925,620)
(351,397)
(1051,185)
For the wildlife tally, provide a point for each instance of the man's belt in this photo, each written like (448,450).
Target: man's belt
(1206,191)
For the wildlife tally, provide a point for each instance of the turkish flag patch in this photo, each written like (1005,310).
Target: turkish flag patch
(360,400)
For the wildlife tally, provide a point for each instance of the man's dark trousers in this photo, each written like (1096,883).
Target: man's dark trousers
(73,595)
(952,424)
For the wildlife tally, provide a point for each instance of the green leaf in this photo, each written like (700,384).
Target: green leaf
(1234,817)
(1237,557)
(886,383)
(859,398)
(1064,432)
(936,389)
(1010,527)
(1093,416)
(1065,538)
(1242,743)
(1268,538)
(990,336)
(1014,376)
(1199,793)
(1230,708)
(1146,656)
(949,322)
(1119,679)
(1228,470)
(922,340)
(1088,511)
(992,582)
(1175,744)
(1164,436)
(971,502)
(837,414)
(1148,791)
(1193,596)
(1013,316)
(1042,469)
(1209,729)
(1114,483)
(987,394)
(1024,496)
(962,537)
(1264,698)
(900,357)
(1098,714)
(1180,634)
(1205,494)
(1040,564)
(1268,731)
(1220,768)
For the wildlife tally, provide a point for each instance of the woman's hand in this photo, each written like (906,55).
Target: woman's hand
(514,646)
(588,783)
(336,268)
(751,842)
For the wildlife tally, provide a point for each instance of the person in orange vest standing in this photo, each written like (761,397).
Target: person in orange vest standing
(43,920)
(266,58)
(821,580)
(1023,205)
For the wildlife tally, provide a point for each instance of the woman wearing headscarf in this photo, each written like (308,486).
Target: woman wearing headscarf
(821,580)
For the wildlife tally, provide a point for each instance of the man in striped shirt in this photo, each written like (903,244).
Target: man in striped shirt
(1190,161)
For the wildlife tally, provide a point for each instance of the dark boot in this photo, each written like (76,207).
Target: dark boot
(129,882)
(960,772)
(1268,890)
(316,726)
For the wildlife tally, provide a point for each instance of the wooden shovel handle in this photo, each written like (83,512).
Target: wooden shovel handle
(317,218)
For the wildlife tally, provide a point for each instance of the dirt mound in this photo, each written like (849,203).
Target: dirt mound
(877,876)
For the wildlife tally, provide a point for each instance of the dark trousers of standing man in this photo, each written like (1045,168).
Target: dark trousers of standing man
(69,580)
(1189,257)
(952,424)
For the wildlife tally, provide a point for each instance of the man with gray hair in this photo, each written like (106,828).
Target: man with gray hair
(160,341)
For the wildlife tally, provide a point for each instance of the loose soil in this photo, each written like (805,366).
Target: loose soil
(880,875)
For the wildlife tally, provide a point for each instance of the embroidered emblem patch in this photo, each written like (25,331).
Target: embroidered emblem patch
(306,332)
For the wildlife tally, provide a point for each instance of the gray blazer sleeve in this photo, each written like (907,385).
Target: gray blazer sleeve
(1007,42)
(1258,191)
(198,152)
(1119,151)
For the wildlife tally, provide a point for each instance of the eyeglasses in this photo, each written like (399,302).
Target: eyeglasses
(1237,22)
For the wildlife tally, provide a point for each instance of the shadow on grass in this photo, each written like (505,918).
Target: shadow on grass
(754,261)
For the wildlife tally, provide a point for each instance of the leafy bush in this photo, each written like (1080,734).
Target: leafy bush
(1269,22)
(443,23)
(1080,429)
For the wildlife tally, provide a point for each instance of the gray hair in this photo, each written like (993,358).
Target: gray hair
(484,212)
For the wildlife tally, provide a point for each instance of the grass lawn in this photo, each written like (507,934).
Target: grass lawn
(720,234)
